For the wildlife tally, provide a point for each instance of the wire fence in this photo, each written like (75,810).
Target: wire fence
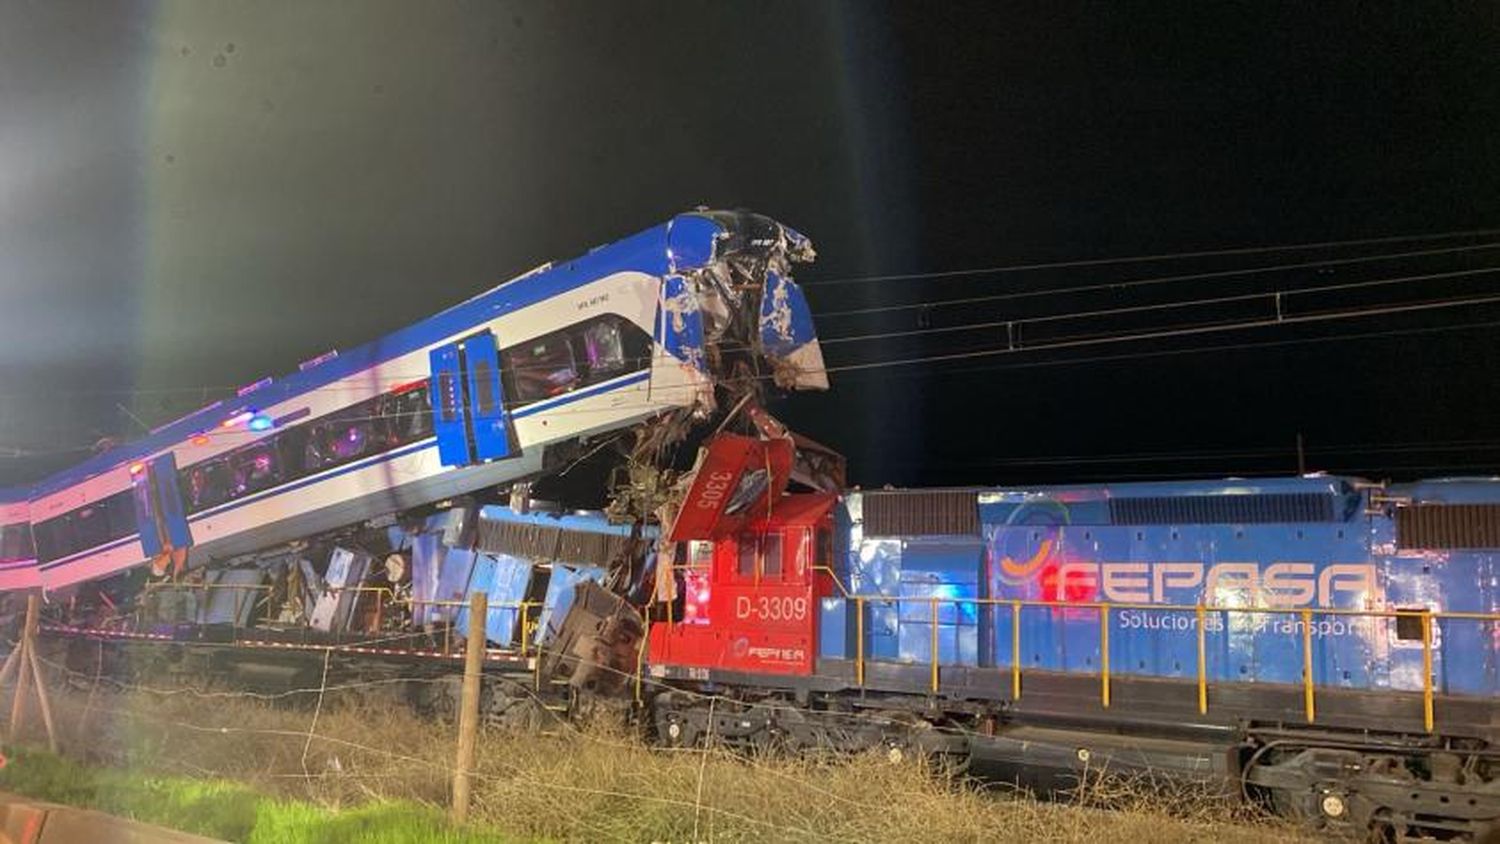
(563,780)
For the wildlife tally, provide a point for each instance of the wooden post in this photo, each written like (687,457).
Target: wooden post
(41,697)
(18,706)
(468,713)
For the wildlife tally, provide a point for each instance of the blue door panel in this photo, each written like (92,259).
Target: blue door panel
(449,416)
(486,397)
(163,472)
(145,514)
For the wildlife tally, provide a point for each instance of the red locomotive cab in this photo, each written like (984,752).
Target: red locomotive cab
(751,602)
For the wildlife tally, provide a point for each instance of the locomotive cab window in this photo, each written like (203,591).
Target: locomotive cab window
(760,557)
(770,556)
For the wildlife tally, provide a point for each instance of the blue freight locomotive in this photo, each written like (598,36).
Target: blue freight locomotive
(1328,644)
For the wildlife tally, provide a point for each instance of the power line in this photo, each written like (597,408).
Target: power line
(1225,347)
(1145,282)
(1229,454)
(1276,297)
(1139,259)
(1177,332)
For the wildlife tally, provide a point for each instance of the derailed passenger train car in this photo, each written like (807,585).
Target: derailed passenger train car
(1328,645)
(489,392)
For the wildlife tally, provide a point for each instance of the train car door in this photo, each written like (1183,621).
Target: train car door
(158,506)
(469,414)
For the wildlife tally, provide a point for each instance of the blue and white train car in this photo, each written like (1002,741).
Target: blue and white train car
(464,400)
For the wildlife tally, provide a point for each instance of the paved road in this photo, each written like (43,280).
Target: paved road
(27,821)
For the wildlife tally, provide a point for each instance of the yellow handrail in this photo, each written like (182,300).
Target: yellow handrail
(1427,670)
(1202,664)
(859,641)
(1015,650)
(934,616)
(1200,612)
(1104,654)
(1307,665)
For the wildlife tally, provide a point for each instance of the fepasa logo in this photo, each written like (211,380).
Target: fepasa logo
(1029,551)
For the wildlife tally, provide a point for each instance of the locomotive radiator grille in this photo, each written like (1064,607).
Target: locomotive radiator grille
(921,513)
(1263,508)
(545,543)
(1441,526)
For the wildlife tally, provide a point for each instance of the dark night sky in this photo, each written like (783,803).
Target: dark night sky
(197,194)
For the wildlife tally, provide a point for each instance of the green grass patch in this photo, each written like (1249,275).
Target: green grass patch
(227,810)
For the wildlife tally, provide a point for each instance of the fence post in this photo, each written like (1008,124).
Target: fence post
(468,713)
(18,706)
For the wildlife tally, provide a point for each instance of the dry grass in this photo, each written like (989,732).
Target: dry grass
(600,784)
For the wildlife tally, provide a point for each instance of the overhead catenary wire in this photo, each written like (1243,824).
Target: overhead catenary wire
(1175,332)
(1130,284)
(1223,347)
(1275,297)
(1232,453)
(1141,259)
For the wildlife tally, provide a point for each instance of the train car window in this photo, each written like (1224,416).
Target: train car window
(52,538)
(371,427)
(208,484)
(255,469)
(600,350)
(121,513)
(347,435)
(15,542)
(591,352)
(486,402)
(89,526)
(541,368)
(409,415)
(351,438)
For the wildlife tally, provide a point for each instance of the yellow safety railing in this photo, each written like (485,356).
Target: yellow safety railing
(1200,613)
